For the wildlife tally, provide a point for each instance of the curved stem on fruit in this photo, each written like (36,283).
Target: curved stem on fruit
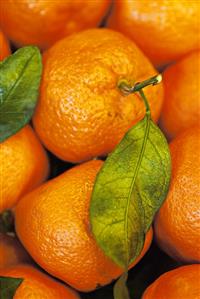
(148,111)
(126,89)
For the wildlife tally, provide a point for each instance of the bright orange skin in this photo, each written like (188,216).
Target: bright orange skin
(4,46)
(43,22)
(165,30)
(53,224)
(11,252)
(24,165)
(177,225)
(181,107)
(37,285)
(181,283)
(81,113)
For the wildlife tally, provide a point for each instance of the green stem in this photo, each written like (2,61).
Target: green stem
(148,111)
(125,87)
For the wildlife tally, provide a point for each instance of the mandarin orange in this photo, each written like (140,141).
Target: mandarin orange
(177,224)
(165,30)
(81,112)
(43,22)
(24,165)
(181,283)
(37,285)
(181,107)
(53,224)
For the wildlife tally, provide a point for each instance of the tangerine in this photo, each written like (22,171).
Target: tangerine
(164,30)
(37,285)
(181,107)
(177,224)
(24,165)
(81,112)
(43,22)
(53,224)
(181,283)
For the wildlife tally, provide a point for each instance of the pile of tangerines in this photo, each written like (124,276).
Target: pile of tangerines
(80,117)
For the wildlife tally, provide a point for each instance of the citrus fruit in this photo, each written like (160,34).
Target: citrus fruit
(37,285)
(177,224)
(43,22)
(165,30)
(53,224)
(181,108)
(81,112)
(24,165)
(11,251)
(4,46)
(181,283)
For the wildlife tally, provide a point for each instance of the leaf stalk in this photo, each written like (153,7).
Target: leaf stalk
(148,111)
(126,89)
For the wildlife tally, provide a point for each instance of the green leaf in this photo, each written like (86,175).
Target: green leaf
(8,286)
(128,191)
(120,289)
(20,76)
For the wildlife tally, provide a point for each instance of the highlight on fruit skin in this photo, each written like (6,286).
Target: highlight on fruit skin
(177,223)
(52,223)
(164,30)
(81,112)
(24,165)
(12,252)
(180,283)
(42,23)
(37,284)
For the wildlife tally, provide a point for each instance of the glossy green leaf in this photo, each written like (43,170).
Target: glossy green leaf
(20,76)
(128,191)
(8,286)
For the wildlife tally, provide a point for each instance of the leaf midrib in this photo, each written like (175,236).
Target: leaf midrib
(133,182)
(16,82)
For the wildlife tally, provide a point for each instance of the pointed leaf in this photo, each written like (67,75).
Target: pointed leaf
(20,76)
(8,286)
(128,191)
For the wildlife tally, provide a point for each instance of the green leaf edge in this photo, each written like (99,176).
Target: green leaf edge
(36,51)
(18,282)
(99,243)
